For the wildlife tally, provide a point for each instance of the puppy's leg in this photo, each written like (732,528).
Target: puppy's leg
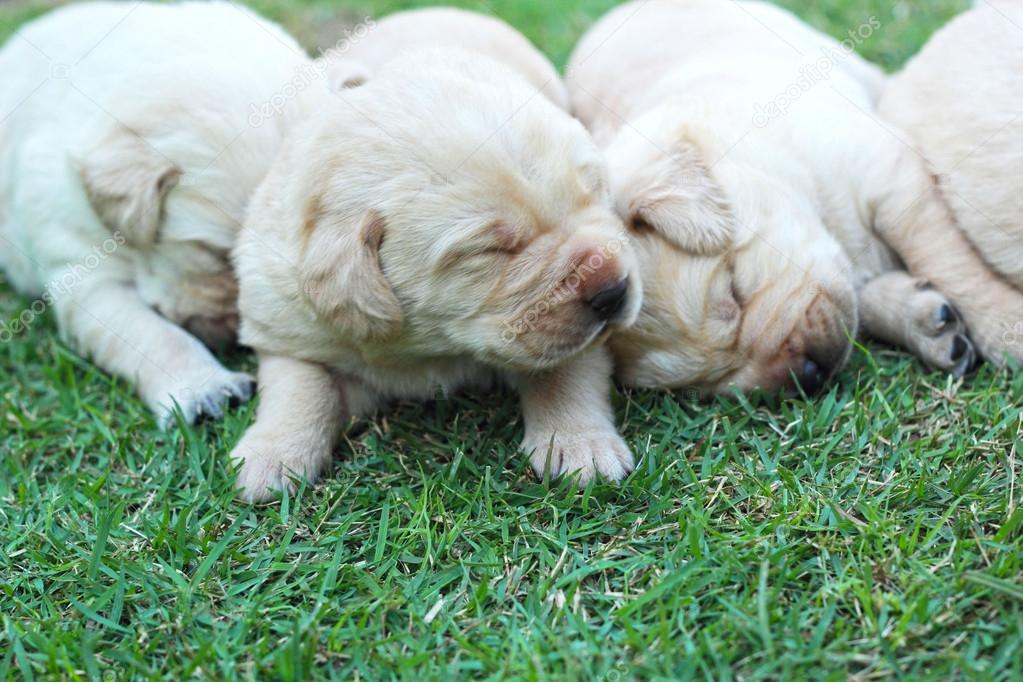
(109,323)
(569,423)
(302,410)
(908,312)
(915,221)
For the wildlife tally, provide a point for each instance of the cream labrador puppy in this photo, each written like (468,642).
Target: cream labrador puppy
(128,153)
(961,100)
(442,225)
(771,207)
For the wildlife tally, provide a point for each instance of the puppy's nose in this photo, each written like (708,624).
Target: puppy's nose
(812,377)
(610,301)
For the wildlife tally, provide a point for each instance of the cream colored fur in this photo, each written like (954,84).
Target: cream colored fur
(488,36)
(961,102)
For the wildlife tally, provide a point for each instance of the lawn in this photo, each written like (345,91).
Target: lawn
(873,532)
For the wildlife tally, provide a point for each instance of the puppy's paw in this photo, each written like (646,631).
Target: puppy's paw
(203,396)
(998,334)
(598,452)
(269,465)
(261,475)
(937,333)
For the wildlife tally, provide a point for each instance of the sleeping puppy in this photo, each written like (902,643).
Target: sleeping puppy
(127,158)
(769,207)
(961,101)
(443,225)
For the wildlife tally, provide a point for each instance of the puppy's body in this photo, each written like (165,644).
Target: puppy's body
(764,219)
(961,100)
(452,27)
(438,227)
(127,158)
(700,50)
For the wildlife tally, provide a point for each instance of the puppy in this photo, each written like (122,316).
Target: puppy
(961,101)
(769,207)
(128,153)
(442,225)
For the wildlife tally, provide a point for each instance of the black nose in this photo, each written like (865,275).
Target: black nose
(812,378)
(607,303)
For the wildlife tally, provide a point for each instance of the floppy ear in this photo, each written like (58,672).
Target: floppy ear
(342,278)
(126,180)
(345,74)
(677,197)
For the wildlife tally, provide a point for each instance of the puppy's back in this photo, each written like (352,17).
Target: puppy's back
(117,53)
(961,99)
(184,77)
(448,27)
(643,52)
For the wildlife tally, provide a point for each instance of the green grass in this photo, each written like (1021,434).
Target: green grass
(875,532)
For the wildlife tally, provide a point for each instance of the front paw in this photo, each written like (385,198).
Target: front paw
(270,464)
(937,333)
(203,396)
(589,453)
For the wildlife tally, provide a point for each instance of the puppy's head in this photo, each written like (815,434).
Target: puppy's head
(174,206)
(450,209)
(744,286)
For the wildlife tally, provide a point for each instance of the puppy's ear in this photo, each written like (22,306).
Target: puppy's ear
(126,180)
(345,74)
(342,278)
(677,197)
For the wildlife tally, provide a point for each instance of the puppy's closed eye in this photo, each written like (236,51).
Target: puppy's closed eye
(497,239)
(725,297)
(499,250)
(640,225)
(737,295)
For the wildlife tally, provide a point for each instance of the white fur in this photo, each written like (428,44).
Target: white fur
(128,124)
